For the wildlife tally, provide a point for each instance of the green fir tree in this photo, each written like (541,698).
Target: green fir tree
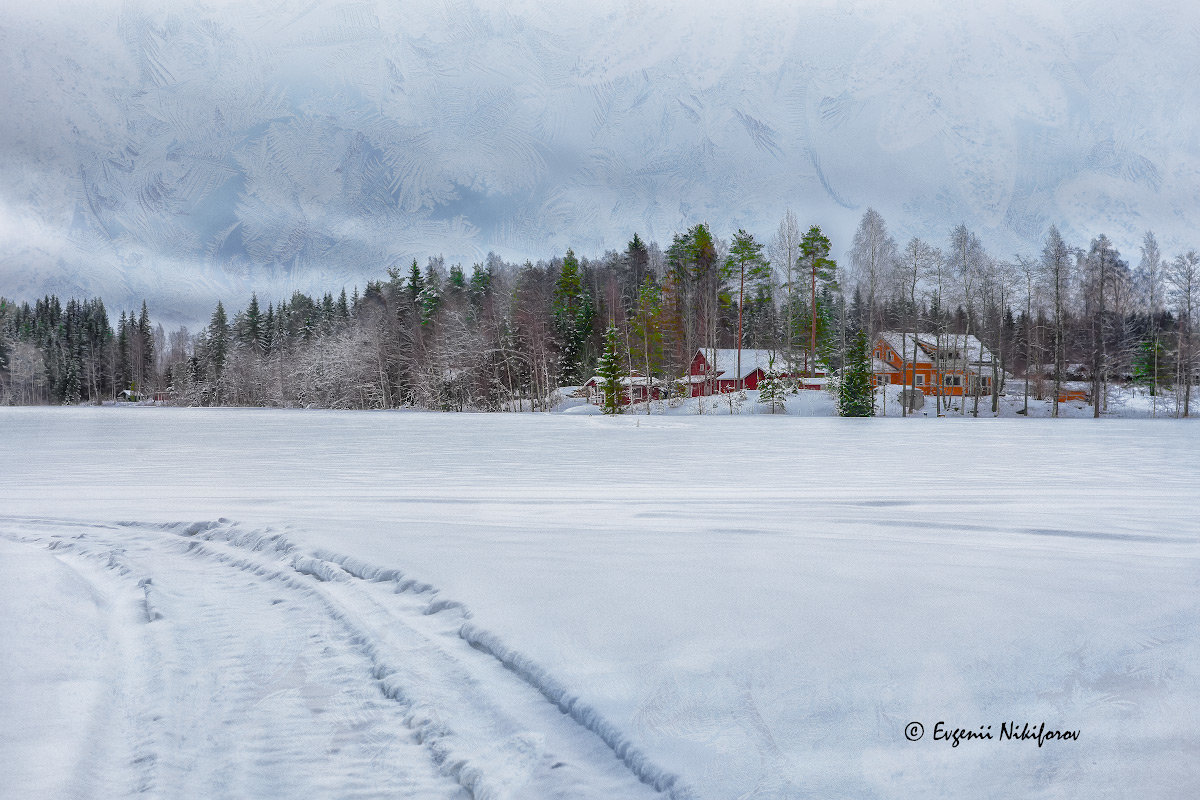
(1151,365)
(855,397)
(609,371)
(573,312)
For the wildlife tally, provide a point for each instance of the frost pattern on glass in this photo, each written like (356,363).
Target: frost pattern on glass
(190,150)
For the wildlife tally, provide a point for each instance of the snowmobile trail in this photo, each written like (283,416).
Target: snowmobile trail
(238,665)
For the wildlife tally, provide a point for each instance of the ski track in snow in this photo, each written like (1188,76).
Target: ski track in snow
(240,665)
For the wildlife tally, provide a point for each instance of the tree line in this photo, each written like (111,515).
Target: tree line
(506,336)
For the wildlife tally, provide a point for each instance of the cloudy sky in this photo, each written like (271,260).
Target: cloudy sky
(184,151)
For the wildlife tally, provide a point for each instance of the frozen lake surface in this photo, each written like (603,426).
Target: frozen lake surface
(253,603)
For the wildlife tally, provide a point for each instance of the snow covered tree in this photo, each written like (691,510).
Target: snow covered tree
(773,387)
(217,350)
(429,299)
(416,284)
(785,253)
(873,256)
(609,371)
(1057,258)
(919,262)
(1183,276)
(1102,270)
(248,327)
(855,396)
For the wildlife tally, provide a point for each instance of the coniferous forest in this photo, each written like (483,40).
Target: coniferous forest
(504,336)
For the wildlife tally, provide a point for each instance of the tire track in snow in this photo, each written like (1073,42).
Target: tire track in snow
(120,740)
(499,726)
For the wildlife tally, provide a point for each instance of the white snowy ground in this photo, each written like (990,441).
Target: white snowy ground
(244,603)
(1124,402)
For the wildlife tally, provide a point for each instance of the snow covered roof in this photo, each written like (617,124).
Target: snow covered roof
(902,343)
(724,361)
(626,380)
(879,365)
(953,346)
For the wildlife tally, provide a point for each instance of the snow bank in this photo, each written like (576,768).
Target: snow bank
(759,606)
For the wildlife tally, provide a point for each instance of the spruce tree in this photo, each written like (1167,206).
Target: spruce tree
(855,396)
(218,340)
(124,376)
(145,337)
(573,312)
(430,296)
(609,370)
(415,284)
(248,327)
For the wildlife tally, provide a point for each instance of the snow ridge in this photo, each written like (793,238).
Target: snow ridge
(577,709)
(531,673)
(329,567)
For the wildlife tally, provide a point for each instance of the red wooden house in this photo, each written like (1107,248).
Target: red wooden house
(715,371)
(955,365)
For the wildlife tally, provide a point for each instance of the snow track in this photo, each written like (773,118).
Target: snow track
(239,665)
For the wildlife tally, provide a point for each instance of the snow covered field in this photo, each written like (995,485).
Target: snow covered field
(252,603)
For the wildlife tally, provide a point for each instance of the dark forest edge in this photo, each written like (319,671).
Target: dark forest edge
(509,336)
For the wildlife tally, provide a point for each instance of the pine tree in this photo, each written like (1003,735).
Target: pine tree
(855,396)
(609,370)
(746,261)
(646,330)
(821,271)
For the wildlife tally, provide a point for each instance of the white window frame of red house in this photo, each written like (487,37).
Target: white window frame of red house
(918,380)
(883,380)
(955,377)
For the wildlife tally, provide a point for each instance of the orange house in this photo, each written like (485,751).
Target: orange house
(958,365)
